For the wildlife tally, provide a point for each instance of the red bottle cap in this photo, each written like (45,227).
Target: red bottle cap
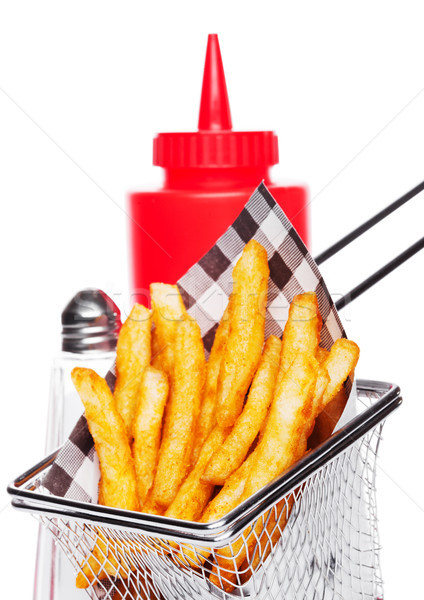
(215,144)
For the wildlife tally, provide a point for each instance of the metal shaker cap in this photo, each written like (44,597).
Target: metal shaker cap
(90,322)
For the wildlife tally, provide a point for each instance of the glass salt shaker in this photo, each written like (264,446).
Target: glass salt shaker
(90,327)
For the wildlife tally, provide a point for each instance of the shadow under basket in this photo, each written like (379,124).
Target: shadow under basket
(311,533)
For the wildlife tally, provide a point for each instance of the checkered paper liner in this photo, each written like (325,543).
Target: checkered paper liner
(205,289)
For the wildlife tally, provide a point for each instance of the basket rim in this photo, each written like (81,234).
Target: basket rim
(228,527)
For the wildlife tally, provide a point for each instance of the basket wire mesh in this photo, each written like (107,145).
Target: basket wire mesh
(315,537)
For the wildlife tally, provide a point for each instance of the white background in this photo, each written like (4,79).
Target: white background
(84,86)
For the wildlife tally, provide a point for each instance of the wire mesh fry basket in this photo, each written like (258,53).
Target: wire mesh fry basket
(312,533)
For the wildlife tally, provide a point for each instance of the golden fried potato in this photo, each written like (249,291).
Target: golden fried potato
(302,331)
(168,311)
(341,361)
(150,507)
(110,439)
(342,357)
(100,499)
(181,413)
(322,355)
(193,495)
(289,413)
(327,419)
(207,415)
(335,367)
(146,428)
(117,486)
(235,448)
(322,382)
(230,494)
(227,499)
(132,357)
(260,548)
(109,558)
(246,334)
(275,521)
(276,452)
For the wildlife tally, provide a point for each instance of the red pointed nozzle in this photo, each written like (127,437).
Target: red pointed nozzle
(214,111)
(215,144)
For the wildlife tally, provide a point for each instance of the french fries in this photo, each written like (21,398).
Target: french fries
(230,494)
(276,452)
(246,333)
(235,448)
(110,437)
(106,559)
(207,415)
(132,357)
(118,481)
(237,423)
(290,410)
(227,499)
(181,413)
(302,331)
(193,494)
(322,355)
(168,311)
(341,361)
(146,428)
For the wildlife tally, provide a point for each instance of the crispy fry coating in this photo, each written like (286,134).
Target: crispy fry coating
(146,428)
(289,413)
(302,331)
(207,415)
(246,334)
(259,550)
(181,413)
(341,361)
(150,507)
(227,499)
(322,355)
(110,439)
(193,495)
(117,486)
(230,494)
(323,430)
(132,357)
(235,448)
(327,419)
(277,451)
(336,366)
(156,351)
(168,311)
(100,499)
(107,559)
(322,382)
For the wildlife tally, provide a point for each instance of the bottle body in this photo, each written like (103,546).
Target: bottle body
(54,575)
(65,406)
(172,228)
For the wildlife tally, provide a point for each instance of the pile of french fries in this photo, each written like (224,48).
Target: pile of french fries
(191,440)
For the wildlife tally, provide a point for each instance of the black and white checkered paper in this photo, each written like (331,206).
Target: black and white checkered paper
(205,289)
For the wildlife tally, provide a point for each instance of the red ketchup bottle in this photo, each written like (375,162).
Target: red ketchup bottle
(209,176)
